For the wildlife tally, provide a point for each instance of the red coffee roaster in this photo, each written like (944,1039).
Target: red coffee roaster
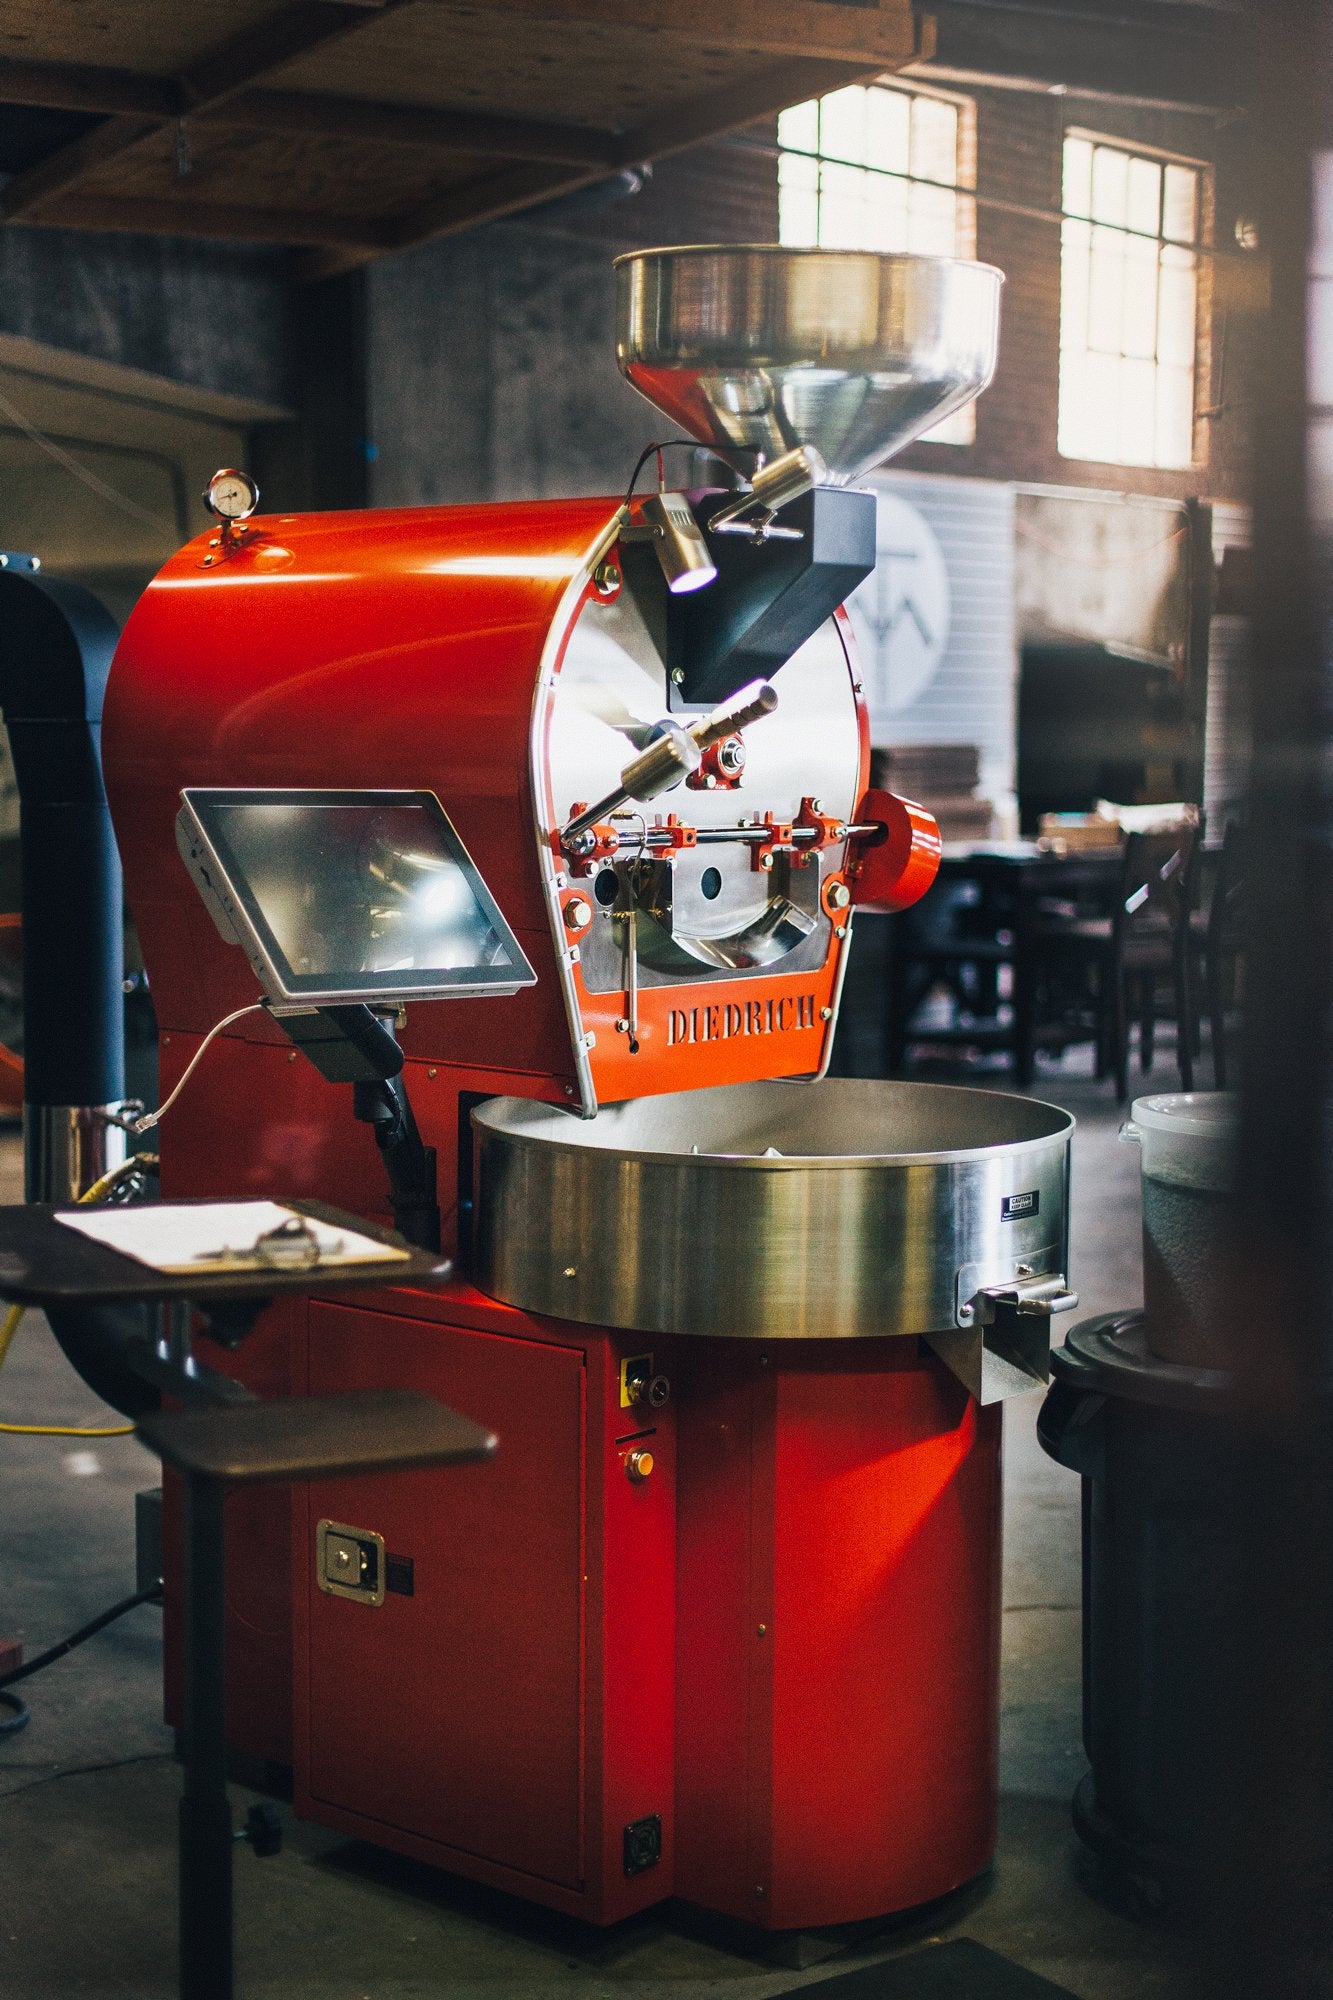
(720,1620)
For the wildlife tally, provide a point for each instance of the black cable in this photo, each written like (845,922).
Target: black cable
(152,1595)
(18,1719)
(85,1771)
(665,445)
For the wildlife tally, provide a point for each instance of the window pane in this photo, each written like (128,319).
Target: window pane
(1143,203)
(888,114)
(934,139)
(885,212)
(1089,406)
(1072,404)
(1319,343)
(1180,202)
(799,127)
(1110,179)
(842,124)
(932,221)
(1137,442)
(1106,292)
(841,195)
(1075,244)
(798,200)
(1175,416)
(1078,177)
(1139,321)
(960,428)
(1175,330)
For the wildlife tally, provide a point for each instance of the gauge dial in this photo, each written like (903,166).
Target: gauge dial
(231,495)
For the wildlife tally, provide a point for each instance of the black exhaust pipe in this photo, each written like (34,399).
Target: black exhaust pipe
(56,643)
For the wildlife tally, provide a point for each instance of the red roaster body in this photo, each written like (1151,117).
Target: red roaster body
(764,1677)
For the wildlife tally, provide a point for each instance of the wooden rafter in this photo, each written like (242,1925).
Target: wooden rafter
(278,40)
(492,198)
(442,131)
(63,86)
(353,235)
(877,35)
(772,52)
(76,87)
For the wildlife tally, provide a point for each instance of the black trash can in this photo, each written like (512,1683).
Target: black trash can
(1151,1442)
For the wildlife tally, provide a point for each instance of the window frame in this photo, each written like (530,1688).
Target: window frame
(1198,246)
(963,188)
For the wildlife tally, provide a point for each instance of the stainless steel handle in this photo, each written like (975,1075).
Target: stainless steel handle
(1042,1296)
(672,755)
(1002,1345)
(759,698)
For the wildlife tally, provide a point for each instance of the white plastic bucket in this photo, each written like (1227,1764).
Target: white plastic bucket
(1188,1145)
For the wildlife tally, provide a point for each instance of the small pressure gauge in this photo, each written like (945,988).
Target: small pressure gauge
(231,495)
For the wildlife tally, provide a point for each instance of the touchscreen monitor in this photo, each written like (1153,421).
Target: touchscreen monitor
(342,896)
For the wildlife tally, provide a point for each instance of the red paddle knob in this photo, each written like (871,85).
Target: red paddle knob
(893,867)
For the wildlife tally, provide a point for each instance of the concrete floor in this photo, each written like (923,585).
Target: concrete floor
(88,1790)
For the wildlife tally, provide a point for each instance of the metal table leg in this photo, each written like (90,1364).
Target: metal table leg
(206,1839)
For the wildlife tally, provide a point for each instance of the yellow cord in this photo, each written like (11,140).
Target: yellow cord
(65,1431)
(9,1326)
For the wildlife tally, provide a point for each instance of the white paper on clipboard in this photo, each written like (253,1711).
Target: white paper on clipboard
(182,1238)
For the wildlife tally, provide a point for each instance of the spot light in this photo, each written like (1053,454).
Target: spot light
(679,543)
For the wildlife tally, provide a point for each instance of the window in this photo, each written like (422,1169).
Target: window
(1128,304)
(874,167)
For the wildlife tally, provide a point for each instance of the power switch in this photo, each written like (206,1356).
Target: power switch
(349,1562)
(640,1388)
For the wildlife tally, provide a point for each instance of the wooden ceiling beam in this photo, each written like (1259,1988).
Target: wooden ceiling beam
(305,25)
(436,128)
(493,197)
(273,43)
(880,33)
(441,130)
(131,216)
(31,189)
(60,86)
(736,104)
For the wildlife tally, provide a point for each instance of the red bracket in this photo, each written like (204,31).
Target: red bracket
(825,829)
(605,843)
(720,767)
(678,833)
(777,839)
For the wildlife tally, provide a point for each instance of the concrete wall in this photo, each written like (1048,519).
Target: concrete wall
(491,355)
(213,315)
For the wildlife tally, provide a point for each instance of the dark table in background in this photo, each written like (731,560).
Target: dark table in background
(1014,882)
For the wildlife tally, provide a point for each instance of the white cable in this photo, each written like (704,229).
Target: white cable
(147,1123)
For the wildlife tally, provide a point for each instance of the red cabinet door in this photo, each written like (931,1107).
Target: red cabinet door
(454,1713)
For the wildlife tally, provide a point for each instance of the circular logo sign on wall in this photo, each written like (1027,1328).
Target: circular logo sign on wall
(901,613)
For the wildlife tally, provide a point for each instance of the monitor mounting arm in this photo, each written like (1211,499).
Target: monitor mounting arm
(356,1045)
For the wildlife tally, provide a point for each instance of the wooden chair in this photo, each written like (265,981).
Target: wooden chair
(1120,962)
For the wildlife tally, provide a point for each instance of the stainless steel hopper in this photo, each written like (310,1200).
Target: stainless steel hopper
(855,352)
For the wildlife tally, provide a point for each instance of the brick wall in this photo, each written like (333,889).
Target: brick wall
(491,365)
(1020,138)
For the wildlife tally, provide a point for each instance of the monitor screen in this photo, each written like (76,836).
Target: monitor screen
(344,896)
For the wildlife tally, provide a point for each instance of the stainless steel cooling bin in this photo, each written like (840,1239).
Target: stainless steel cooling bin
(848,1210)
